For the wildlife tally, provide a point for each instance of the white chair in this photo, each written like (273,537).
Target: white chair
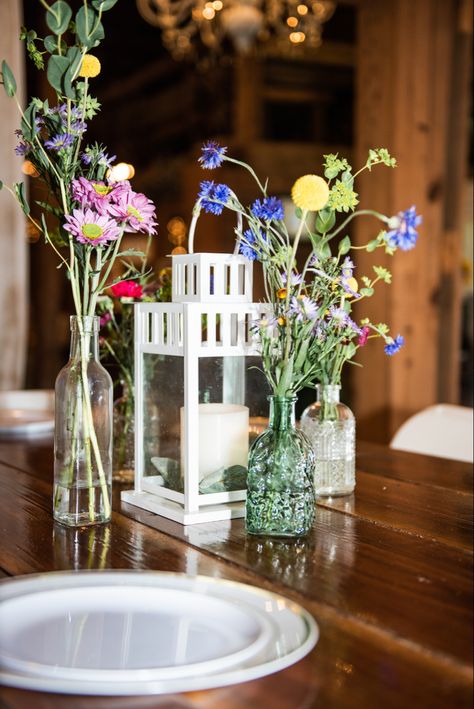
(444,430)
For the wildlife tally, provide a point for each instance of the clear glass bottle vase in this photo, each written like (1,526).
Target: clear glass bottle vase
(280,490)
(83,432)
(330,426)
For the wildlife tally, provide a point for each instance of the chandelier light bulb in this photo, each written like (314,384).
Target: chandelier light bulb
(242,23)
(292,22)
(208,13)
(302,10)
(217,5)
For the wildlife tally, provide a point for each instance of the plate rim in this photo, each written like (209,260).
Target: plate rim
(228,676)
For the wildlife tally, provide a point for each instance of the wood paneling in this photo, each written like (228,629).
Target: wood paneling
(406,102)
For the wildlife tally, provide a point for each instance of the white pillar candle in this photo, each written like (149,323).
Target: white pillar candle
(223,437)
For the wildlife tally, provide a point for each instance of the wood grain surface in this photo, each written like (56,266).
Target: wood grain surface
(386,572)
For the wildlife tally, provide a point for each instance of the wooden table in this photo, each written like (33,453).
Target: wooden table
(386,572)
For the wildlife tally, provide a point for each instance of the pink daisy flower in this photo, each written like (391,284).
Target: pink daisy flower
(95,194)
(136,210)
(91,228)
(127,289)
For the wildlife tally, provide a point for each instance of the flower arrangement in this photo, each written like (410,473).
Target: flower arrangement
(85,211)
(308,332)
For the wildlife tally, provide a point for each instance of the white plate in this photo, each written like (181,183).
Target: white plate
(125,633)
(26,412)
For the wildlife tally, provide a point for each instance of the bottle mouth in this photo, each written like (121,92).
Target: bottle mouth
(84,323)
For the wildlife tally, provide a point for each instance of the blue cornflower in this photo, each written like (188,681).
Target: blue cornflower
(212,155)
(60,141)
(246,248)
(403,233)
(268,209)
(213,197)
(206,188)
(393,347)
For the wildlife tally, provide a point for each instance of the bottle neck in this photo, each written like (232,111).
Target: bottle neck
(328,393)
(282,412)
(84,337)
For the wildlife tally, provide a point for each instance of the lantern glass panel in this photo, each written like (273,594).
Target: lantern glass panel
(163,398)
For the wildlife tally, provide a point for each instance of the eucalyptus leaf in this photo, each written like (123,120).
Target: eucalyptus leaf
(88,30)
(103,5)
(9,83)
(298,212)
(325,220)
(28,122)
(51,43)
(324,250)
(58,17)
(57,68)
(344,246)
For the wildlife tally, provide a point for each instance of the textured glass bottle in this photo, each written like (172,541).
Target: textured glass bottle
(83,432)
(330,426)
(280,489)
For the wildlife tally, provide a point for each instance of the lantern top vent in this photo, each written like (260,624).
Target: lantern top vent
(211,278)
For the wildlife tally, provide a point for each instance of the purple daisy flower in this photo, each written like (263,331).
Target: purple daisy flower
(136,210)
(269,208)
(304,308)
(403,233)
(342,319)
(393,347)
(22,148)
(59,142)
(347,268)
(90,227)
(212,155)
(295,279)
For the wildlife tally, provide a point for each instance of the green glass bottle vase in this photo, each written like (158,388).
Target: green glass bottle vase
(280,481)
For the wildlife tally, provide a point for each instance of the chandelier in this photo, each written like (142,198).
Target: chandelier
(278,25)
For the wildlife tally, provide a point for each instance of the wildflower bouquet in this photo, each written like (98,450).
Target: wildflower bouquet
(308,333)
(83,216)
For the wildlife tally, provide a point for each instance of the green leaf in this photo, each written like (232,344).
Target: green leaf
(28,122)
(51,43)
(57,68)
(19,189)
(49,208)
(88,29)
(58,17)
(367,291)
(103,4)
(371,246)
(324,250)
(345,246)
(383,273)
(131,252)
(325,220)
(298,212)
(9,83)
(74,56)
(1,185)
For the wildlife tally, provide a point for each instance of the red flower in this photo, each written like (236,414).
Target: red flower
(127,289)
(364,336)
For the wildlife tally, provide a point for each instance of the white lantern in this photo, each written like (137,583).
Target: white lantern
(196,391)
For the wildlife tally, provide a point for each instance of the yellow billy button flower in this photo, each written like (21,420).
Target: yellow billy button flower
(310,192)
(281,321)
(353,285)
(281,293)
(90,67)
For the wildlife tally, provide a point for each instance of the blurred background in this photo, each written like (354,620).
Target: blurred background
(280,83)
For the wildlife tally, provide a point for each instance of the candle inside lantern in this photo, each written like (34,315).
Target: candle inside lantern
(223,437)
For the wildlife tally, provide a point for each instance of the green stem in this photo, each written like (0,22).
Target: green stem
(289,271)
(358,213)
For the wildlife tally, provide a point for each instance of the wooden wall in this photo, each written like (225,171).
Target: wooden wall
(413,68)
(13,244)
